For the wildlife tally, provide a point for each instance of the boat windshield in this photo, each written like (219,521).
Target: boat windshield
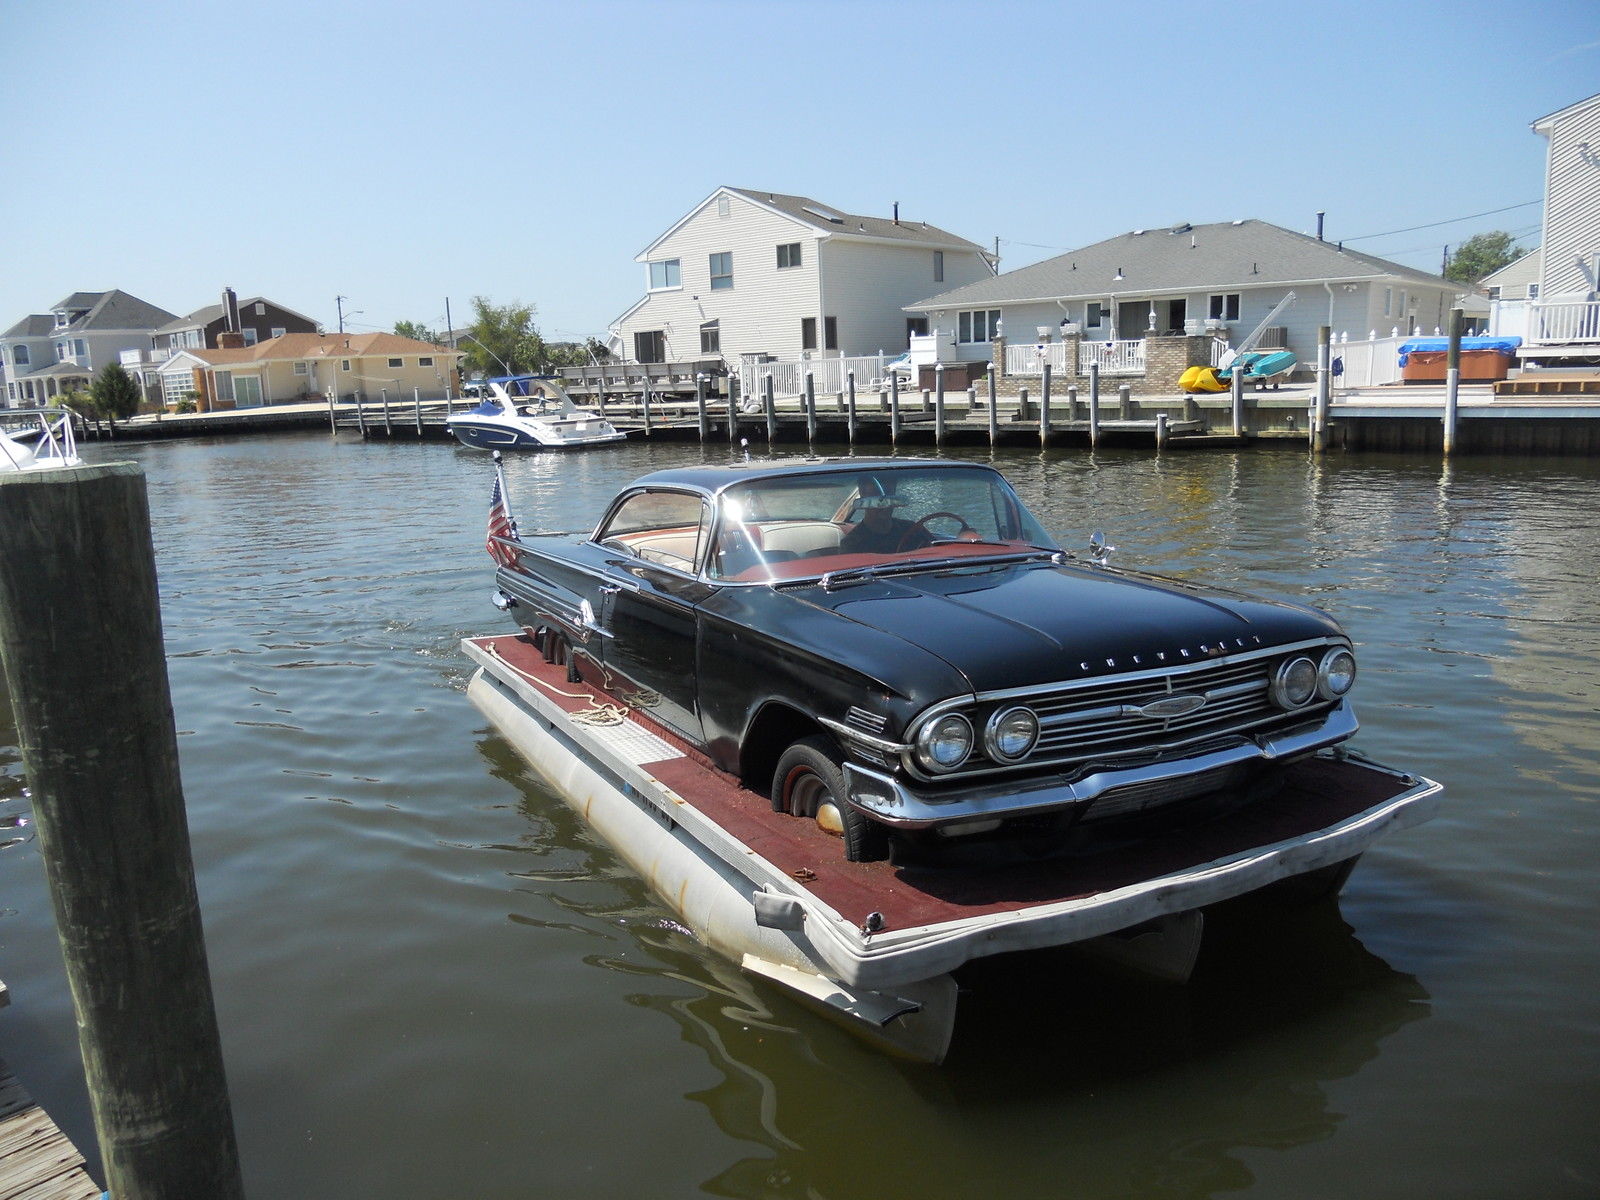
(803,526)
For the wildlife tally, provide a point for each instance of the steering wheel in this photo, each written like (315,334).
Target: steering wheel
(920,524)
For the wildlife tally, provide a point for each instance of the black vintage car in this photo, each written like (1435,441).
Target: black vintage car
(897,649)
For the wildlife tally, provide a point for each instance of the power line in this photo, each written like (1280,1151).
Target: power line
(1367,237)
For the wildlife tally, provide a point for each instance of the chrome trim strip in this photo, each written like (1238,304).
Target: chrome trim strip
(866,739)
(888,799)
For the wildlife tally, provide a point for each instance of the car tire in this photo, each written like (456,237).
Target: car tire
(808,781)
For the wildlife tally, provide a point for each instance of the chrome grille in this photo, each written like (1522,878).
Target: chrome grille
(868,722)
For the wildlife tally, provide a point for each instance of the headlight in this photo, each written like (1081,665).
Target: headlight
(1011,734)
(944,743)
(1294,683)
(1337,674)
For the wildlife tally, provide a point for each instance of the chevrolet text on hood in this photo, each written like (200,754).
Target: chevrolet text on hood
(897,649)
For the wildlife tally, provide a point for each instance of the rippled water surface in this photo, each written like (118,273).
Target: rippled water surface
(433,982)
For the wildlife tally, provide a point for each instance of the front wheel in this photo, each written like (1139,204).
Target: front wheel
(808,782)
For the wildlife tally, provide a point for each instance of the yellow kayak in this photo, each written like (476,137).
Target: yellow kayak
(1201,379)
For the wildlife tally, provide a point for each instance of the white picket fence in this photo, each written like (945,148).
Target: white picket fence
(1115,358)
(1367,362)
(1564,321)
(828,375)
(1030,359)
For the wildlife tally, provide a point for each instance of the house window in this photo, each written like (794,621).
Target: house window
(278,331)
(1388,301)
(711,337)
(1223,306)
(1092,315)
(830,333)
(722,206)
(808,333)
(721,271)
(246,391)
(788,255)
(224,385)
(301,368)
(424,362)
(19,355)
(938,266)
(1533,291)
(1494,293)
(665,274)
(978,326)
(250,336)
(650,346)
(397,362)
(344,364)
(261,310)
(80,350)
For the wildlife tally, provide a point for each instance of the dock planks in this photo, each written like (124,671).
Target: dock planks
(37,1162)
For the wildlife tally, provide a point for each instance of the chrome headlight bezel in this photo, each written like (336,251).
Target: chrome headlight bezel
(1326,685)
(1285,689)
(992,734)
(930,733)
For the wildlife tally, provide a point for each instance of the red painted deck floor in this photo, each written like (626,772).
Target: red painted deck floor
(1318,793)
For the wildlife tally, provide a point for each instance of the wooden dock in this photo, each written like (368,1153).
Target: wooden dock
(37,1162)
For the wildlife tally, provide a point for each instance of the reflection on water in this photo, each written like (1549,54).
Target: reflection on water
(433,981)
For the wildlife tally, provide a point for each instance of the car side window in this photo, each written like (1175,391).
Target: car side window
(662,527)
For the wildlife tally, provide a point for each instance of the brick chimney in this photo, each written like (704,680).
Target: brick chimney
(230,339)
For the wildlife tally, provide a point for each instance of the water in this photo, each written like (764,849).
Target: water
(433,982)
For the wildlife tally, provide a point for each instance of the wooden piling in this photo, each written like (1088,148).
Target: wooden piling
(1044,407)
(938,404)
(700,406)
(769,401)
(1094,404)
(894,409)
(1452,381)
(811,409)
(644,404)
(1319,419)
(1236,394)
(850,422)
(388,427)
(88,682)
(1072,402)
(1125,401)
(1161,431)
(416,404)
(333,417)
(361,415)
(994,409)
(600,393)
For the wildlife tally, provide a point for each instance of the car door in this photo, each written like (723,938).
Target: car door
(654,539)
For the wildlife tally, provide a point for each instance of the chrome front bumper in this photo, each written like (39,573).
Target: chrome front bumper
(888,799)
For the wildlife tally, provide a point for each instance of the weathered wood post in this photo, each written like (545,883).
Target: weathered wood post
(1023,411)
(1452,381)
(894,410)
(1161,431)
(1236,394)
(811,409)
(361,415)
(994,411)
(1072,402)
(1125,401)
(88,682)
(838,399)
(938,404)
(1044,407)
(769,401)
(600,393)
(1094,404)
(1319,421)
(333,420)
(733,410)
(850,391)
(700,406)
(388,427)
(416,400)
(644,402)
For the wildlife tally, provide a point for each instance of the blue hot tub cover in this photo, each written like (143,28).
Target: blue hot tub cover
(1501,345)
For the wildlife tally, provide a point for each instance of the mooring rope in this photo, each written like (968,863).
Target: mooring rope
(597,714)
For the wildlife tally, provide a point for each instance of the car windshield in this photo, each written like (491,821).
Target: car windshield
(802,526)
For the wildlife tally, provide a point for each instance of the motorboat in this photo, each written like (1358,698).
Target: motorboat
(37,439)
(529,412)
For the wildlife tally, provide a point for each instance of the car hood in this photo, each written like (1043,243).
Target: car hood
(1024,625)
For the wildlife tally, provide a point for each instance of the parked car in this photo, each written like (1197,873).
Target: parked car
(898,650)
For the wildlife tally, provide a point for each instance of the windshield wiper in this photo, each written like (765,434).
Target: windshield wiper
(835,579)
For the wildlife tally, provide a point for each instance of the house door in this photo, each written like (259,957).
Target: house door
(1177,313)
(916,327)
(1133,317)
(650,346)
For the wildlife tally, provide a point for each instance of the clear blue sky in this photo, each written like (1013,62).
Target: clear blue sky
(398,154)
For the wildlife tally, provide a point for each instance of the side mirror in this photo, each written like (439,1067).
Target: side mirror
(1098,549)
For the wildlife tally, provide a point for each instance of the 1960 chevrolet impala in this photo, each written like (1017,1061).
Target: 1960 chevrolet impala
(896,649)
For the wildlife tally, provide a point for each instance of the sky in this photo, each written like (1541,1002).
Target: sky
(403,155)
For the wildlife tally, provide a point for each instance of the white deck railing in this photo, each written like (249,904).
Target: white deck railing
(1030,358)
(1564,321)
(1367,362)
(1115,358)
(828,375)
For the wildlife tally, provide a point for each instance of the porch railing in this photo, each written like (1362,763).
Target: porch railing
(1030,359)
(827,374)
(1115,358)
(1564,321)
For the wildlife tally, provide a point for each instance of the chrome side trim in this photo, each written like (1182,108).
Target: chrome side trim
(851,733)
(888,799)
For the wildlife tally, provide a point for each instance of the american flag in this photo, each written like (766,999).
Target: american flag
(500,524)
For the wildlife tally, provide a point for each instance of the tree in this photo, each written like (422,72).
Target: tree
(417,331)
(504,339)
(113,394)
(1482,254)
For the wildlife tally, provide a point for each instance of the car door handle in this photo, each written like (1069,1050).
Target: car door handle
(611,589)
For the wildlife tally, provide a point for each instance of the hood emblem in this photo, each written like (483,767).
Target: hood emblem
(1172,706)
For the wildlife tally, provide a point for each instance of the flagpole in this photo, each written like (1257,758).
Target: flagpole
(505,496)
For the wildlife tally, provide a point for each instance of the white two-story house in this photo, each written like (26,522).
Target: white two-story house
(749,275)
(1557,313)
(47,354)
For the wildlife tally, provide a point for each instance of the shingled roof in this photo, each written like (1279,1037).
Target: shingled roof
(831,220)
(115,309)
(34,325)
(1184,258)
(319,345)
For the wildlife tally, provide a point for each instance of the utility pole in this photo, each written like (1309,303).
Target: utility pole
(339,303)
